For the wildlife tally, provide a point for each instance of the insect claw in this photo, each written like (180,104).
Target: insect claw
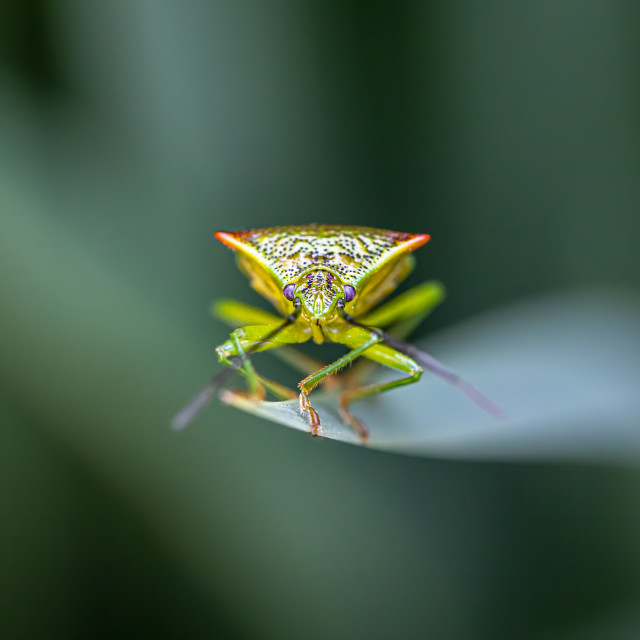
(315,421)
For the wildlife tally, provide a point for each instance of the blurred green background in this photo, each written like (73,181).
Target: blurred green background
(129,132)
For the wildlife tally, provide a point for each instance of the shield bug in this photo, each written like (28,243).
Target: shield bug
(326,282)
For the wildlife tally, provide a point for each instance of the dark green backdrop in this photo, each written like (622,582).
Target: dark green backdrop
(129,132)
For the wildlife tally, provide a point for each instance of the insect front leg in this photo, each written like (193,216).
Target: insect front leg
(401,315)
(359,339)
(312,381)
(256,387)
(389,357)
(245,338)
(239,314)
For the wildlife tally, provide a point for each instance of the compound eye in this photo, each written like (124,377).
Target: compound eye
(349,293)
(289,291)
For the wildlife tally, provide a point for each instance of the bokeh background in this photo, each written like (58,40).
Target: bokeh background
(129,132)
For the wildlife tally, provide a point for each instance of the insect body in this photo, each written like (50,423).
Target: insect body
(325,280)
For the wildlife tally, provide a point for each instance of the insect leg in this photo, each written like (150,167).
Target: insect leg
(389,357)
(239,314)
(426,361)
(256,338)
(254,335)
(402,314)
(256,387)
(408,310)
(243,339)
(257,383)
(310,382)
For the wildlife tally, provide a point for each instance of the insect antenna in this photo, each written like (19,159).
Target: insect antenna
(430,364)
(188,413)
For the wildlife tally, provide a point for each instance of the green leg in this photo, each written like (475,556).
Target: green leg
(257,383)
(407,310)
(256,388)
(244,338)
(402,314)
(248,336)
(312,381)
(239,314)
(391,358)
(382,354)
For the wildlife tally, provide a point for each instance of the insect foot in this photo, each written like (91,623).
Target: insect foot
(305,407)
